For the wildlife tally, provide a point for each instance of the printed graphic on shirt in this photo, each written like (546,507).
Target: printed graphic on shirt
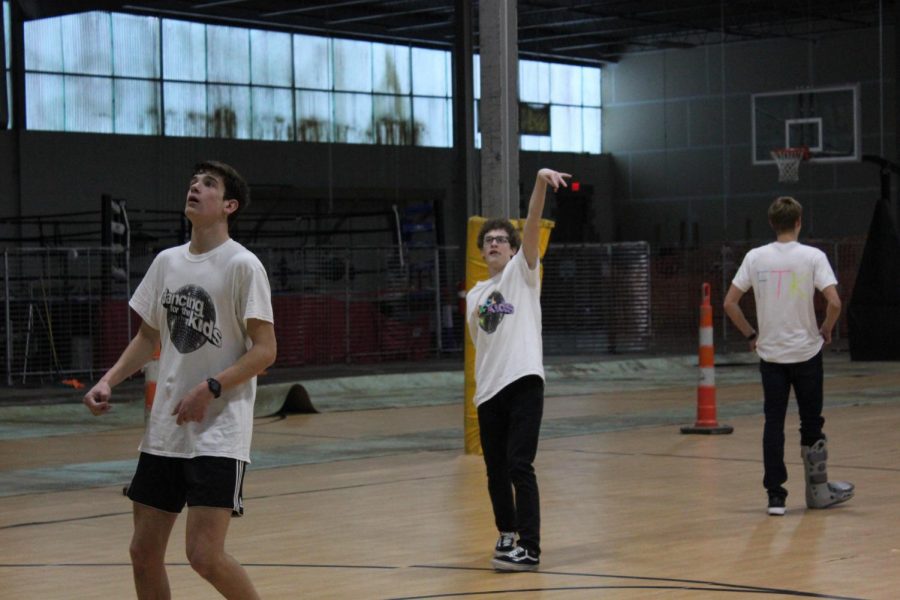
(492,312)
(191,316)
(777,283)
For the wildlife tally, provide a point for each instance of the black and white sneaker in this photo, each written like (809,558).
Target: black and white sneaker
(506,543)
(776,505)
(519,559)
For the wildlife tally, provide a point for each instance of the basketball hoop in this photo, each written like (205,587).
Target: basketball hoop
(788,161)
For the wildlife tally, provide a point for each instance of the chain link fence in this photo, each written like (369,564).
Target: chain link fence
(678,273)
(66,309)
(362,304)
(595,298)
(65,312)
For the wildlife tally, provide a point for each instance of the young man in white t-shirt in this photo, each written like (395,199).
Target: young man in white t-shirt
(505,326)
(784,276)
(208,305)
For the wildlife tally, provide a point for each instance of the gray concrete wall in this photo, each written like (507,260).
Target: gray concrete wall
(69,172)
(677,124)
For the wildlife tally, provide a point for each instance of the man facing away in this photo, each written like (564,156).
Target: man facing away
(505,326)
(208,304)
(785,275)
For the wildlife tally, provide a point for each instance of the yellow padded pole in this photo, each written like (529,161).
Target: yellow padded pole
(476,270)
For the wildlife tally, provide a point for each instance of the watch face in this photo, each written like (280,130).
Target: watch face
(214,386)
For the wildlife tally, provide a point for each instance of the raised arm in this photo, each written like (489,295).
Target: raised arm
(532,234)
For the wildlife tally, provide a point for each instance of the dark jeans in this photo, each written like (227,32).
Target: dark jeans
(777,379)
(509,424)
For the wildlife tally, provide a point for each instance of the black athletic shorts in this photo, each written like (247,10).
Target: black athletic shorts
(168,483)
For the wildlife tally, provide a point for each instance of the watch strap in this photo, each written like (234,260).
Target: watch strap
(214,386)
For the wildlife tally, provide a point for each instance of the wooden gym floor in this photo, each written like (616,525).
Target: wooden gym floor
(382,503)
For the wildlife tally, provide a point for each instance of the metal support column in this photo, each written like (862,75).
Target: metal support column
(499,108)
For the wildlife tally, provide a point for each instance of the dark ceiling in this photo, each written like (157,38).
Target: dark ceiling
(568,30)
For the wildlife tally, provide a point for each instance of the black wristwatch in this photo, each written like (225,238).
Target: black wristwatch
(751,337)
(214,386)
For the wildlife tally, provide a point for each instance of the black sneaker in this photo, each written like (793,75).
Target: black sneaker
(506,543)
(776,505)
(519,559)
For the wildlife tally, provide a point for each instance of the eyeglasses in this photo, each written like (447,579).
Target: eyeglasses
(500,239)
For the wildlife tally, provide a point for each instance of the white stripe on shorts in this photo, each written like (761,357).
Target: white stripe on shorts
(237,503)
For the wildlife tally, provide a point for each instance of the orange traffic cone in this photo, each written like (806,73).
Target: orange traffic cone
(706,390)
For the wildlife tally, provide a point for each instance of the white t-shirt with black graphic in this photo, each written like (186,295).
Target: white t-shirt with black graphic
(507,330)
(784,277)
(200,304)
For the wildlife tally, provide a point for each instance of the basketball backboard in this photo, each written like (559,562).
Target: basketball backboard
(826,120)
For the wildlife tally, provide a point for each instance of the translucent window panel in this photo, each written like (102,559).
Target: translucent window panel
(89,104)
(352,66)
(566,132)
(534,81)
(228,54)
(185,109)
(449,107)
(313,116)
(565,84)
(535,142)
(184,51)
(6,34)
(430,72)
(591,127)
(43,45)
(477,126)
(353,118)
(273,114)
(270,58)
(136,106)
(228,109)
(7,78)
(390,69)
(393,120)
(44,102)
(590,78)
(135,42)
(312,62)
(87,44)
(476,75)
(433,122)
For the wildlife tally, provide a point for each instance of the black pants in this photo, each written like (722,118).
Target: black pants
(509,424)
(777,379)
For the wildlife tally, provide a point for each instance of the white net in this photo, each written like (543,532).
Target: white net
(788,161)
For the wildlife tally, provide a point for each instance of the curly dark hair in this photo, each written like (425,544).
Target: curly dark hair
(236,187)
(503,224)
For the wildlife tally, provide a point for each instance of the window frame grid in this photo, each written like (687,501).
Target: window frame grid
(410,97)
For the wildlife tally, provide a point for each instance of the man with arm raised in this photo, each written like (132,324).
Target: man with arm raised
(505,326)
